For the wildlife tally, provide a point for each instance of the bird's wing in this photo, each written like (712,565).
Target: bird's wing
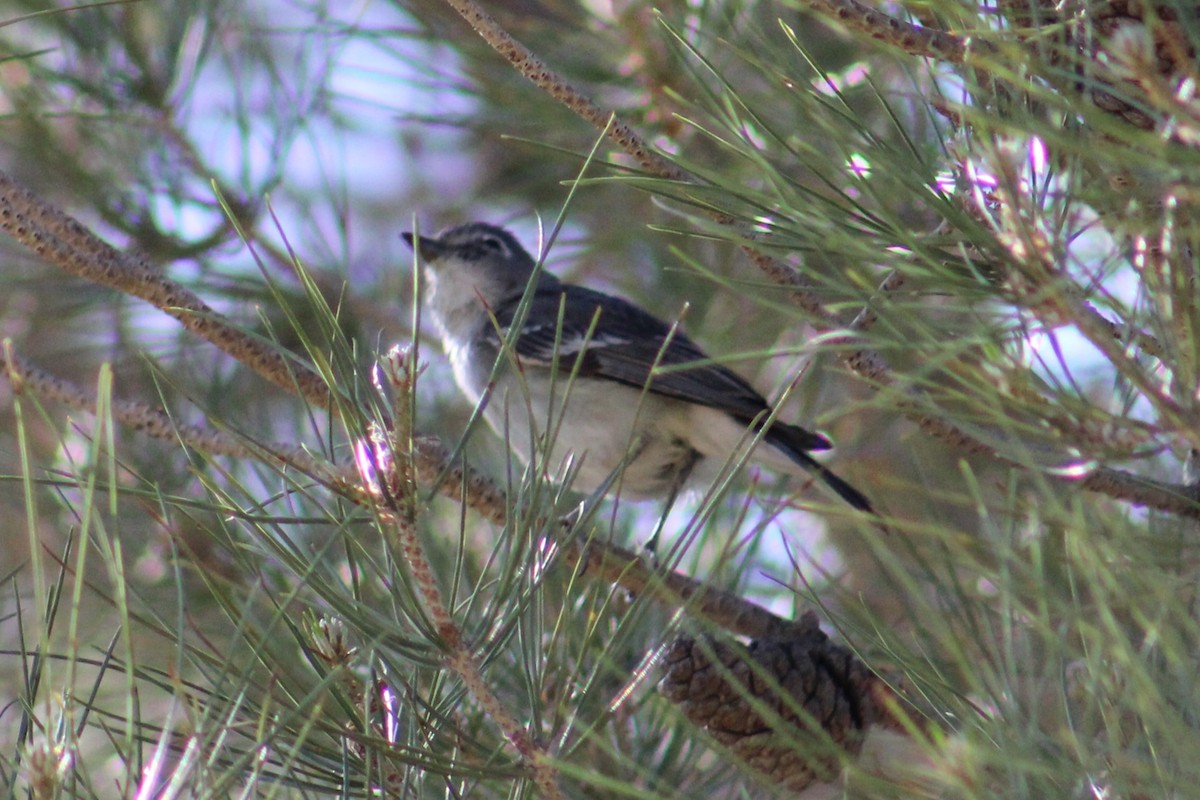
(612,339)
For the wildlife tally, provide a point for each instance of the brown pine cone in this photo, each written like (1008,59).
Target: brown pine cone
(826,705)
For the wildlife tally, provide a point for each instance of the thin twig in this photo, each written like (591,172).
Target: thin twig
(64,242)
(625,137)
(867,316)
(912,39)
(1180,499)
(611,564)
(395,462)
(154,422)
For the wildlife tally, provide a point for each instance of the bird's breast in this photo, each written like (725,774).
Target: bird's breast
(594,428)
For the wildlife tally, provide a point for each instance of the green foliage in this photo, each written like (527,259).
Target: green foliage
(191,624)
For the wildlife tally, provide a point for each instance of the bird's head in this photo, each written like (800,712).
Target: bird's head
(480,253)
(468,265)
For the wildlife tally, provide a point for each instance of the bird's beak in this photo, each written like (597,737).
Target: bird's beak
(425,247)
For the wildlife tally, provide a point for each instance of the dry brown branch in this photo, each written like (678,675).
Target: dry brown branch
(612,564)
(154,422)
(624,136)
(912,39)
(64,242)
(1173,498)
(400,507)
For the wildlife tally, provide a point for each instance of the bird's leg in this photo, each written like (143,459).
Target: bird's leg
(680,474)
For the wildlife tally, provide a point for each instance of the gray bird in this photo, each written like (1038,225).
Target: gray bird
(669,428)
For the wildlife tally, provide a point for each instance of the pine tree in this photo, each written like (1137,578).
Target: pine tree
(256,549)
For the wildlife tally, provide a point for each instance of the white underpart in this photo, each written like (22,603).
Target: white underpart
(599,424)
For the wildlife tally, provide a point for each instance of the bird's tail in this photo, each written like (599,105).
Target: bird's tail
(793,441)
(842,489)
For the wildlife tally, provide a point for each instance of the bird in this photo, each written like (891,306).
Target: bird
(631,399)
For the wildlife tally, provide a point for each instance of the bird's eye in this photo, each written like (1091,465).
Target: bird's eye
(492,243)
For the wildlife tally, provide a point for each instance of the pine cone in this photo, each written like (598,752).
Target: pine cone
(826,705)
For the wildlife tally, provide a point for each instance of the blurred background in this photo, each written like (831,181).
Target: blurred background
(268,155)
